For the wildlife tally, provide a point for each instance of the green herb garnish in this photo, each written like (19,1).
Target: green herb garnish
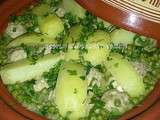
(72,72)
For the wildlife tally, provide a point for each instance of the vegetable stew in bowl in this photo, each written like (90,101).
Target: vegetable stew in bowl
(63,63)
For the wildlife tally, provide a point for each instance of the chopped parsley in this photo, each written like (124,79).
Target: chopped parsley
(52,75)
(72,72)
(97,90)
(114,114)
(75,91)
(4,40)
(27,19)
(100,68)
(35,101)
(52,3)
(69,20)
(87,66)
(82,77)
(33,52)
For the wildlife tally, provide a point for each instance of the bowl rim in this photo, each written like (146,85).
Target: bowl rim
(16,106)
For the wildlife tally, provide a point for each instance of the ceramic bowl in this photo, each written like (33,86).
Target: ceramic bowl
(15,111)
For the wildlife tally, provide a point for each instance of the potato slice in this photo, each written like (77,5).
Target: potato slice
(41,10)
(97,45)
(50,25)
(125,75)
(71,91)
(74,8)
(31,39)
(70,40)
(23,70)
(121,36)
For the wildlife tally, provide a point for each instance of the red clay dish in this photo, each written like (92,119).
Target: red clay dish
(12,110)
